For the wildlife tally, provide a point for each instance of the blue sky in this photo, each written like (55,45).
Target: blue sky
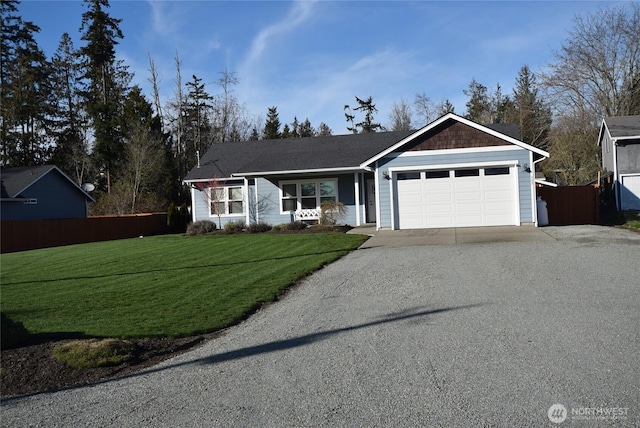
(310,58)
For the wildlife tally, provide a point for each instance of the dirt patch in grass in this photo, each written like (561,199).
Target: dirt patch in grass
(32,368)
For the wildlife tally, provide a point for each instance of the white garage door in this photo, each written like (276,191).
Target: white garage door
(630,192)
(457,198)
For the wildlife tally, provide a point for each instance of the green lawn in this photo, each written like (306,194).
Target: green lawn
(158,286)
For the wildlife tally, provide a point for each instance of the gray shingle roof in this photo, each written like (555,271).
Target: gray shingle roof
(293,154)
(623,126)
(15,180)
(303,154)
(508,129)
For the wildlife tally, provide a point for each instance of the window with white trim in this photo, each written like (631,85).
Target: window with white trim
(227,200)
(307,194)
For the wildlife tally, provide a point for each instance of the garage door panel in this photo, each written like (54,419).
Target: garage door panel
(464,198)
(498,206)
(439,209)
(445,197)
(470,183)
(439,185)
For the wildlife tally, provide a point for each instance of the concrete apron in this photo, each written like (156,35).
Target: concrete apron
(451,236)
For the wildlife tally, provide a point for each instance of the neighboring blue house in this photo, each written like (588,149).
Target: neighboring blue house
(619,140)
(40,192)
(451,173)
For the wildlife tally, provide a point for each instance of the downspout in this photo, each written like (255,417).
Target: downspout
(246,192)
(356,188)
(377,192)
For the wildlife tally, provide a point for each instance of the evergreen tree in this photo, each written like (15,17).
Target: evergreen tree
(445,107)
(529,112)
(295,128)
(324,130)
(255,135)
(272,125)
(107,81)
(26,92)
(479,105)
(197,124)
(286,131)
(367,124)
(306,130)
(69,120)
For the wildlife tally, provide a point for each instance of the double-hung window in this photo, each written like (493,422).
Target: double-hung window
(227,200)
(307,194)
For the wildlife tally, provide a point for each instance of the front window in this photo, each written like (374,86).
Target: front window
(226,200)
(307,194)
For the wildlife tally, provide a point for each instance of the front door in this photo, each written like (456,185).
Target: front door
(371,201)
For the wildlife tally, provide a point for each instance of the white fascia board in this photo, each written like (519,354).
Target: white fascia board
(454,166)
(603,128)
(629,137)
(463,121)
(295,171)
(465,150)
(205,180)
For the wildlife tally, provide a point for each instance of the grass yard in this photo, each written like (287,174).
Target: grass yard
(169,285)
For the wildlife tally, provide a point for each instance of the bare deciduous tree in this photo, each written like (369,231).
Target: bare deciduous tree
(400,116)
(597,70)
(425,109)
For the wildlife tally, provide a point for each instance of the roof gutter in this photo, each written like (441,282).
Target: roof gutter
(295,171)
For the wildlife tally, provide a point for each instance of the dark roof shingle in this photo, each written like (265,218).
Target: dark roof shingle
(15,180)
(293,154)
(623,126)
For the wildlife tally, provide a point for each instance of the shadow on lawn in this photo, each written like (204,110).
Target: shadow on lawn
(281,345)
(170,269)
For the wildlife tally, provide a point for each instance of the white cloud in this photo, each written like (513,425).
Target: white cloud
(298,15)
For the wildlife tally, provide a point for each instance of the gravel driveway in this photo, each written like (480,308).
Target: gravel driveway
(459,335)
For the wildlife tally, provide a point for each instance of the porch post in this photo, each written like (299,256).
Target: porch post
(356,181)
(246,192)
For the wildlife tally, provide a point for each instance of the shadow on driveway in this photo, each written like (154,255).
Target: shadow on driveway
(279,345)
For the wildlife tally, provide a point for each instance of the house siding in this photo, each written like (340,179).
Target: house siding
(266,205)
(607,153)
(517,154)
(628,158)
(57,199)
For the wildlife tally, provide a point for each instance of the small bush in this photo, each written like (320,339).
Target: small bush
(277,228)
(294,225)
(236,226)
(178,217)
(12,332)
(200,227)
(95,353)
(259,227)
(332,212)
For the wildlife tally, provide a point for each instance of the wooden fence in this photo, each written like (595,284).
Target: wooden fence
(568,205)
(21,235)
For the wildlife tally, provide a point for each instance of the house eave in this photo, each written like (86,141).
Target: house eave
(297,172)
(462,120)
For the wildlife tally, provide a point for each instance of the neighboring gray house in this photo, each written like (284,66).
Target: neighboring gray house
(451,173)
(40,192)
(619,140)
